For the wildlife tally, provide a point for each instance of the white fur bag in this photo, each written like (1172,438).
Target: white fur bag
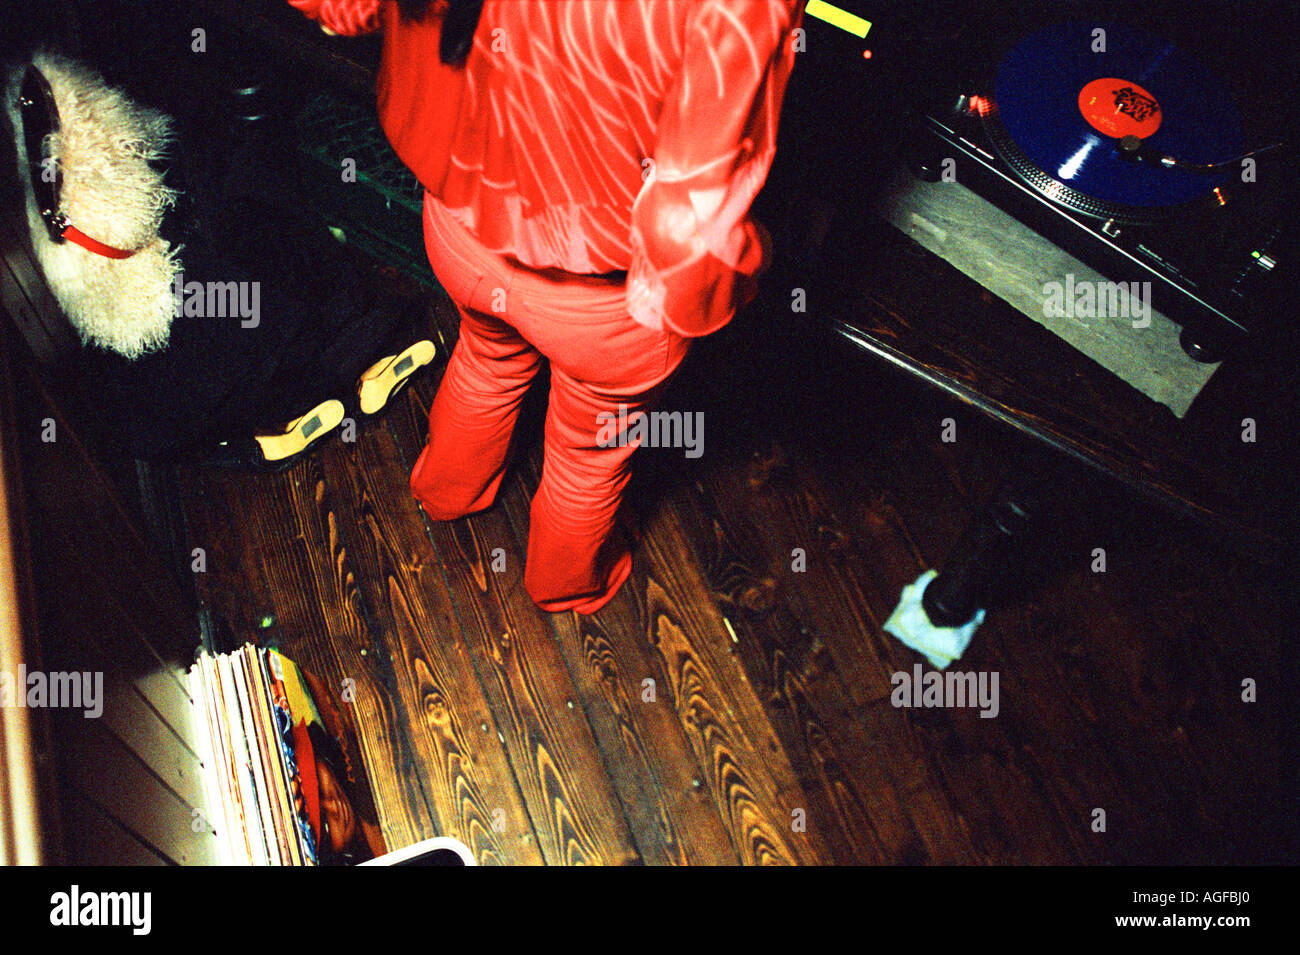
(110,192)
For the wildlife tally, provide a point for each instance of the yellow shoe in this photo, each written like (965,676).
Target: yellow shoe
(301,433)
(386,377)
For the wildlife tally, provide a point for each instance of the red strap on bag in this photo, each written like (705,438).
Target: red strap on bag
(73,234)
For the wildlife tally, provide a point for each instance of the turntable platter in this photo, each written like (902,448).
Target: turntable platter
(1063,97)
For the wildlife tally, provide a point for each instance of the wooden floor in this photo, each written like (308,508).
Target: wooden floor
(727,709)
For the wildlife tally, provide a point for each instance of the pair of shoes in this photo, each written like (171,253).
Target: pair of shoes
(273,453)
(279,451)
(386,378)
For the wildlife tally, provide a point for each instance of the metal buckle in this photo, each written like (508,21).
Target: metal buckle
(56,222)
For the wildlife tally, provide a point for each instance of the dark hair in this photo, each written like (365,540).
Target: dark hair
(457,27)
(328,750)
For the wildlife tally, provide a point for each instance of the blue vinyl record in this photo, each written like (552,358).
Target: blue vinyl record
(1066,107)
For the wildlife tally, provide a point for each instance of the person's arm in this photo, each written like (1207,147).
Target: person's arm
(344,17)
(696,252)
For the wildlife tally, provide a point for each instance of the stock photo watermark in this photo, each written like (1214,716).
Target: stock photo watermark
(652,429)
(36,689)
(953,689)
(77,907)
(1097,299)
(240,300)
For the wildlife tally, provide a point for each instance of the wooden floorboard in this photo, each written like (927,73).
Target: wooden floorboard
(574,809)
(286,565)
(466,771)
(666,727)
(770,736)
(1078,730)
(753,784)
(826,720)
(635,715)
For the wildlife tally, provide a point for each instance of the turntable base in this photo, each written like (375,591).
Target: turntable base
(908,310)
(1016,264)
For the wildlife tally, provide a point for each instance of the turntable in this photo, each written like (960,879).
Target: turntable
(1126,150)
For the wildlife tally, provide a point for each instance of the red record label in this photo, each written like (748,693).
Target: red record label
(1119,108)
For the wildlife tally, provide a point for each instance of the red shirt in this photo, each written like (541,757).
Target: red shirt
(597,135)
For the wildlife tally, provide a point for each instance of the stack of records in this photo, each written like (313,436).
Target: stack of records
(282,769)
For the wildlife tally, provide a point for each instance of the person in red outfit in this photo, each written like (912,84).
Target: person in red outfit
(589,168)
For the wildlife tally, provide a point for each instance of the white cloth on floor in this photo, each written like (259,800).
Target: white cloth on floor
(911,624)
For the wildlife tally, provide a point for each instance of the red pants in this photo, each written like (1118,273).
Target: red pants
(512,317)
